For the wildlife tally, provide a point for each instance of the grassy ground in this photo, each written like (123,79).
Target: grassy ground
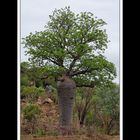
(48,121)
(74,137)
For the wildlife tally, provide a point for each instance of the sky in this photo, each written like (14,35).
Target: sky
(34,14)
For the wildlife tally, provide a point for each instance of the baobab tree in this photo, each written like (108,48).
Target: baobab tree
(71,47)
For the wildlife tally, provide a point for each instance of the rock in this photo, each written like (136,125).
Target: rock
(48,100)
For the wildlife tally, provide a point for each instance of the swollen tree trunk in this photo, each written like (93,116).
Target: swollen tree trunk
(66,95)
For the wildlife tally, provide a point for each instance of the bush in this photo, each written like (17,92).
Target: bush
(98,108)
(32,93)
(107,108)
(24,80)
(31,111)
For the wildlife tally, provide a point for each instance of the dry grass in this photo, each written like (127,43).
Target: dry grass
(74,137)
(48,121)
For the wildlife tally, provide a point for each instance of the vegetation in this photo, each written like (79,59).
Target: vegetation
(95,109)
(69,52)
(98,108)
(30,112)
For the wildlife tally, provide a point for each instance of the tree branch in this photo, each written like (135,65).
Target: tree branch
(72,65)
(80,72)
(55,62)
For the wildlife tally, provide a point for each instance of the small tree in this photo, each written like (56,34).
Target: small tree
(71,46)
(106,107)
(84,103)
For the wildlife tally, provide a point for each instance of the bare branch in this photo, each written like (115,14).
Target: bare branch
(72,64)
(80,72)
(55,62)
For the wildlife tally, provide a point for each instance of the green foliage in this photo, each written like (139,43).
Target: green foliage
(24,80)
(24,67)
(107,107)
(32,73)
(73,44)
(40,132)
(30,112)
(99,107)
(32,93)
(24,73)
(89,118)
(108,100)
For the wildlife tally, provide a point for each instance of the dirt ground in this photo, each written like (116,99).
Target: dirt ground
(48,120)
(75,137)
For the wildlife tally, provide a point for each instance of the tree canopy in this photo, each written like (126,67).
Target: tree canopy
(72,44)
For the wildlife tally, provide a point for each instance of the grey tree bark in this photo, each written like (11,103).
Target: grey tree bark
(66,96)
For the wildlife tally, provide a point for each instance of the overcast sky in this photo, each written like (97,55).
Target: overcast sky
(35,14)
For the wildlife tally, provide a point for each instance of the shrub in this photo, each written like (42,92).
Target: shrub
(32,93)
(31,111)
(107,108)
(24,80)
